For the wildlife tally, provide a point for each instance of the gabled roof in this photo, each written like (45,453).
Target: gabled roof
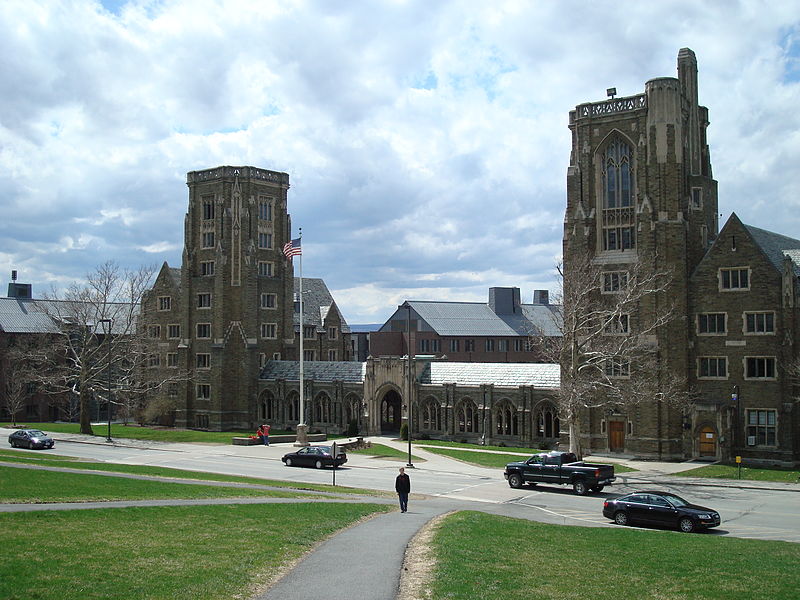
(506,375)
(317,303)
(776,247)
(478,319)
(43,316)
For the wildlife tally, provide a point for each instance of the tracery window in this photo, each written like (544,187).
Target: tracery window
(547,423)
(467,416)
(618,214)
(505,418)
(431,415)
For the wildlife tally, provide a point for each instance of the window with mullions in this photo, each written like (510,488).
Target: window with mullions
(617,368)
(759,367)
(734,279)
(712,367)
(711,323)
(762,426)
(617,203)
(614,281)
(759,323)
(617,175)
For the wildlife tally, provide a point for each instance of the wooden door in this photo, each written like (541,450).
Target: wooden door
(708,442)
(616,436)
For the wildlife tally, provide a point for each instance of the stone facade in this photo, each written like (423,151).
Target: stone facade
(510,404)
(640,191)
(231,306)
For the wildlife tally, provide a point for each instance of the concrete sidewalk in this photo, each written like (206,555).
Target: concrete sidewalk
(364,561)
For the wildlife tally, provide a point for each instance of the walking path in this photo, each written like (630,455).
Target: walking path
(366,560)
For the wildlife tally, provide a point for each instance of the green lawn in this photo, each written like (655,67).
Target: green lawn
(55,460)
(731,472)
(147,433)
(517,449)
(209,552)
(499,558)
(495,461)
(383,451)
(34,486)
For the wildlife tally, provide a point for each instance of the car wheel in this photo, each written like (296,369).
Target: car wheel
(597,488)
(579,487)
(515,481)
(319,464)
(288,462)
(686,525)
(621,518)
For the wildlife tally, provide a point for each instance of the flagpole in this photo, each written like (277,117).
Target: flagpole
(302,428)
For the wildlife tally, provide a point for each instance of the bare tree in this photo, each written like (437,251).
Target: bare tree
(101,348)
(608,348)
(17,377)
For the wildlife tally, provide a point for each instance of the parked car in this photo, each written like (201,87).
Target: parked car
(315,456)
(30,438)
(560,468)
(660,508)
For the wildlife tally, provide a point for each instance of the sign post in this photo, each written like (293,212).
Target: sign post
(739,464)
(334,463)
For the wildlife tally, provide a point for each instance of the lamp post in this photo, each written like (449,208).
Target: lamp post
(410,384)
(736,434)
(106,323)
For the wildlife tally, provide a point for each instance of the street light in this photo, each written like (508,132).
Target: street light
(736,434)
(106,323)
(410,384)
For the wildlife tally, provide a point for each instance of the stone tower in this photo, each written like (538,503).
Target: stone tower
(640,190)
(236,290)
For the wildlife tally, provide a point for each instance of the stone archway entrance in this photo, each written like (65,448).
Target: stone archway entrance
(391,412)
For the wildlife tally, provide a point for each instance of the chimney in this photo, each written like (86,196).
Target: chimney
(541,297)
(18,290)
(504,300)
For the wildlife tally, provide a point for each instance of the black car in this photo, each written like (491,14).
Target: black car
(30,438)
(659,508)
(315,456)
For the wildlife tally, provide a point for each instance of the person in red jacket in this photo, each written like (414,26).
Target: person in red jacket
(264,429)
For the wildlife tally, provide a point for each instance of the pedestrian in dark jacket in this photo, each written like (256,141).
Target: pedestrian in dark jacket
(402,486)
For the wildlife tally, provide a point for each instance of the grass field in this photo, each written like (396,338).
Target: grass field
(35,486)
(209,552)
(755,474)
(499,558)
(494,461)
(383,451)
(55,460)
(146,433)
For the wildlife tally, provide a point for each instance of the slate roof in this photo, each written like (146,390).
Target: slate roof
(40,316)
(478,319)
(317,301)
(540,375)
(507,375)
(776,246)
(316,370)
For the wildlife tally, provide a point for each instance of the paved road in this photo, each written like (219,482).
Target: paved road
(373,551)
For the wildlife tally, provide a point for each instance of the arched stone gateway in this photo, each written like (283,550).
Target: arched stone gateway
(391,412)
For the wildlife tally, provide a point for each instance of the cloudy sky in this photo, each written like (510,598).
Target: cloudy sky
(426,141)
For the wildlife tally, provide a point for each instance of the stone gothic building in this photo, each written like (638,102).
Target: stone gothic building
(233,306)
(640,191)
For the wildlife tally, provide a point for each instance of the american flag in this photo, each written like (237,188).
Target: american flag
(292,248)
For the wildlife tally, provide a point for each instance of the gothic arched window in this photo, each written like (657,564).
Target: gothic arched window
(505,418)
(617,200)
(547,422)
(467,416)
(431,414)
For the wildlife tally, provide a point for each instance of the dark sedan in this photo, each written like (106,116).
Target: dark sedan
(315,456)
(30,438)
(659,508)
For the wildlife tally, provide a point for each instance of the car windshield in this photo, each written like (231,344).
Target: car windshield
(36,433)
(675,500)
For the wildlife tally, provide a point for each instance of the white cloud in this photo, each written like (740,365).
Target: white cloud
(427,142)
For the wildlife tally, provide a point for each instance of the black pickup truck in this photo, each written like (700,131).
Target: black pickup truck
(560,468)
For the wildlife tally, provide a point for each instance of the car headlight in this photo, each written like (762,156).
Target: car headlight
(704,516)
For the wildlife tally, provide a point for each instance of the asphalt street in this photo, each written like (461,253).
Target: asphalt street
(374,550)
